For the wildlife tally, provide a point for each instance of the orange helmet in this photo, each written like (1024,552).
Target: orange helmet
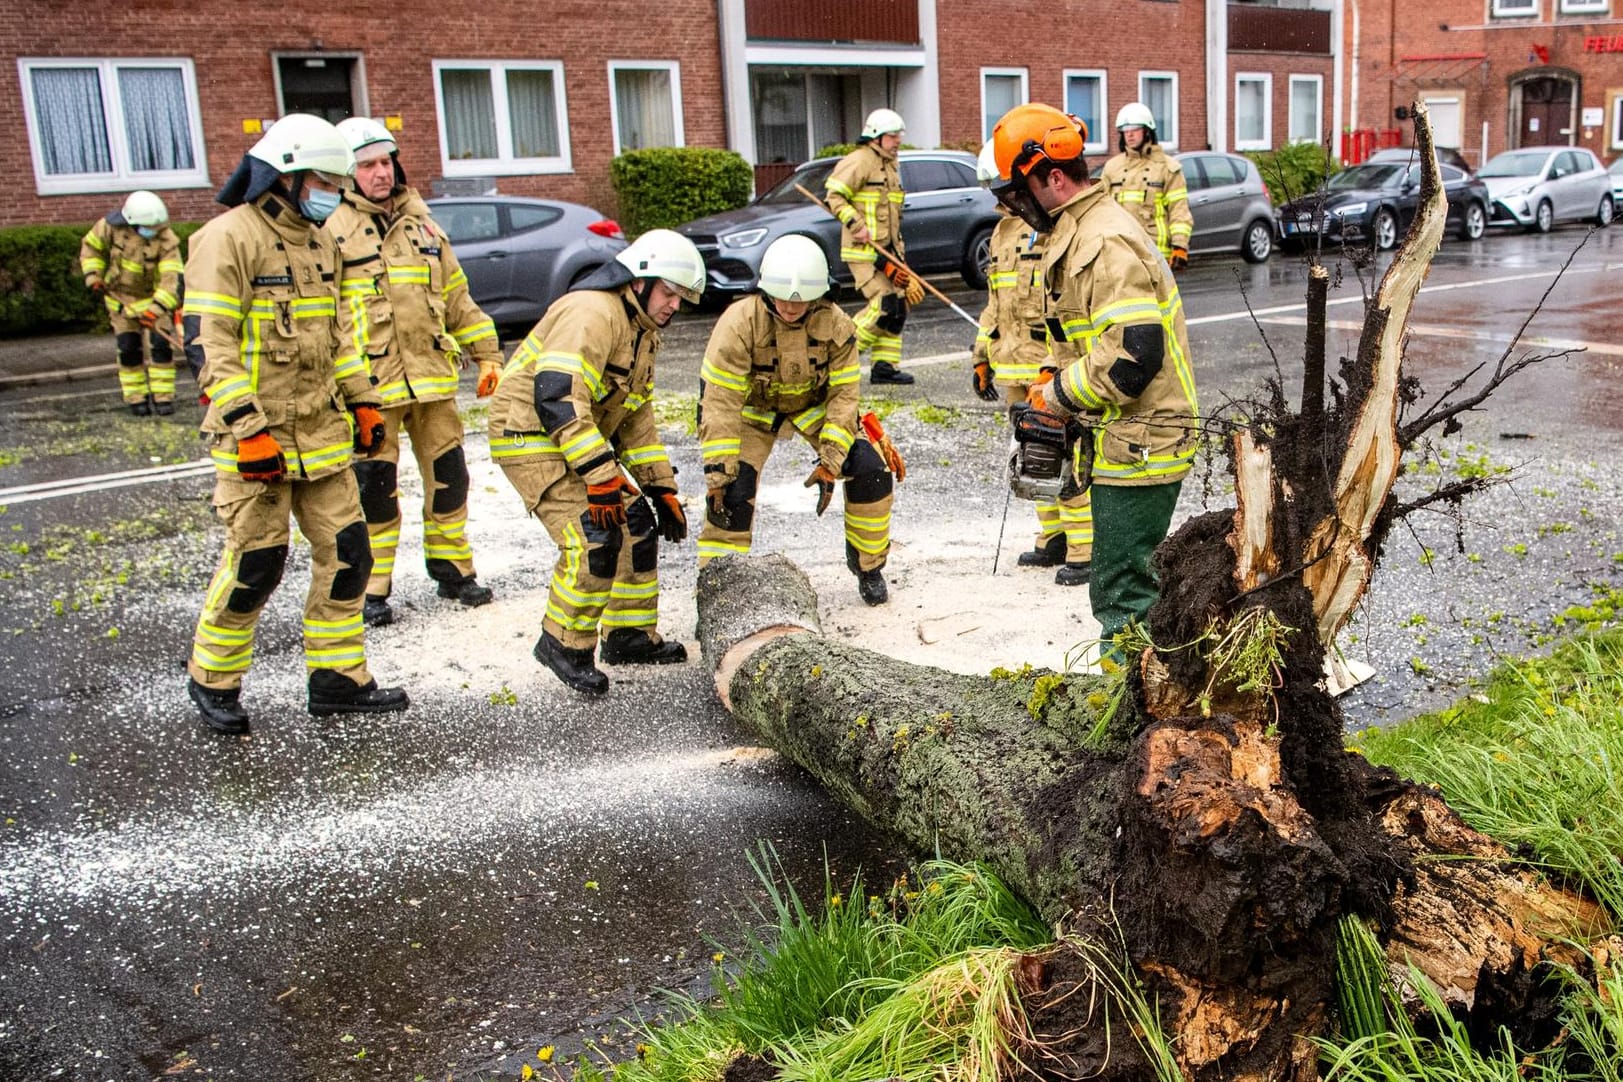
(1032,131)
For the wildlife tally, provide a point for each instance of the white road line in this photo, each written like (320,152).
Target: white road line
(1435,330)
(75,486)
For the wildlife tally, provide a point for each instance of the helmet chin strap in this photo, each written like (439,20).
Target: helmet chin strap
(642,291)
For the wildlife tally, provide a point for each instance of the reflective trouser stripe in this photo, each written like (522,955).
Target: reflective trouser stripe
(1047,521)
(161,378)
(434,428)
(633,602)
(880,345)
(1076,517)
(132,381)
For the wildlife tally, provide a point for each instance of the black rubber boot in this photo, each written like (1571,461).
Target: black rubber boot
(634,646)
(141,409)
(222,709)
(1050,553)
(574,667)
(163,409)
(1074,575)
(377,612)
(871,585)
(334,693)
(468,593)
(885,372)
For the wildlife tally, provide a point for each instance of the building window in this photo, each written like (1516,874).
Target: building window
(1585,7)
(1159,91)
(113,125)
(1085,98)
(502,117)
(1253,111)
(1306,121)
(647,104)
(797,114)
(1617,121)
(1504,9)
(1001,90)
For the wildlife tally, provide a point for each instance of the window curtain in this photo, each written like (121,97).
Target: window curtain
(155,119)
(780,116)
(1304,121)
(1002,93)
(1158,96)
(532,110)
(1248,109)
(1082,102)
(470,114)
(72,126)
(644,109)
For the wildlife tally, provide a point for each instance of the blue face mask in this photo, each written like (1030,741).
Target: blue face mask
(319,205)
(146,231)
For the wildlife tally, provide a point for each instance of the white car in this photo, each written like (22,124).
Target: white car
(1536,187)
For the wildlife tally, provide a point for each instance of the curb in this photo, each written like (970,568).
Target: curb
(69,375)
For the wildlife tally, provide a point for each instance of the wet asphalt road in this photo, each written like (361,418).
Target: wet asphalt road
(509,865)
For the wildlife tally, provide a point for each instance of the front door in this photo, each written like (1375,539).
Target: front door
(322,85)
(1546,112)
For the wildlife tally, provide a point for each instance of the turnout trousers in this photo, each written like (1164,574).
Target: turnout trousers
(138,377)
(256,543)
(1070,515)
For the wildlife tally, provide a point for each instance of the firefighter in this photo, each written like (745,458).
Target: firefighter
(779,364)
(1149,183)
(865,192)
(1124,361)
(261,320)
(572,415)
(1011,351)
(131,259)
(405,314)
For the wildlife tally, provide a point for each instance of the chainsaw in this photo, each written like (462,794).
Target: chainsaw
(1049,457)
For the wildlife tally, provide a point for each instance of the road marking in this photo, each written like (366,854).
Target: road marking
(1434,330)
(75,486)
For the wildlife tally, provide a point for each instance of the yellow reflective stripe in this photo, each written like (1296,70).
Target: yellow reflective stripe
(475,332)
(722,447)
(863,544)
(349,365)
(332,629)
(758,416)
(858,255)
(131,265)
(1001,279)
(224,636)
(1175,197)
(584,446)
(323,456)
(387,537)
(710,372)
(522,446)
(839,437)
(338,657)
(357,287)
(459,278)
(573,364)
(409,275)
(299,308)
(632,591)
(840,377)
(711,549)
(165,298)
(166,265)
(1125,196)
(91,263)
(95,241)
(868,522)
(642,456)
(630,618)
(808,419)
(838,187)
(229,390)
(570,591)
(1015,372)
(1074,379)
(1163,465)
(635,402)
(236,661)
(212,304)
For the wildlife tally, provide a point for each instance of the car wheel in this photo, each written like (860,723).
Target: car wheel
(1475,223)
(1603,217)
(1258,242)
(977,254)
(1544,217)
(1385,230)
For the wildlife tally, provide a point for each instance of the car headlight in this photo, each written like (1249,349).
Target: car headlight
(1348,210)
(744,238)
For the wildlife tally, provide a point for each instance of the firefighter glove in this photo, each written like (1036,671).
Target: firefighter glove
(717,499)
(823,478)
(150,316)
(95,284)
(1033,424)
(369,430)
(1179,259)
(983,381)
(673,521)
(490,373)
(606,502)
(259,458)
(911,286)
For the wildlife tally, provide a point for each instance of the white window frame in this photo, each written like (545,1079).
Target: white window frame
(1167,139)
(1617,121)
(504,164)
(1098,142)
(1025,89)
(1318,107)
(122,178)
(1586,7)
(674,67)
(1267,80)
(1514,9)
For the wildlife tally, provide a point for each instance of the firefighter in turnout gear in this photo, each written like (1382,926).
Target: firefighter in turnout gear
(572,416)
(131,259)
(781,364)
(406,316)
(1124,358)
(1011,351)
(261,319)
(865,192)
(1149,183)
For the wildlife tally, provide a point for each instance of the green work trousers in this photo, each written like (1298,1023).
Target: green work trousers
(1128,522)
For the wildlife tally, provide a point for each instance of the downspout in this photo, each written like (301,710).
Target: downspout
(1217,78)
(1357,40)
(735,78)
(1338,69)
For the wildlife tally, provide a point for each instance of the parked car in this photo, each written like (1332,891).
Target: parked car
(522,254)
(1230,205)
(1536,187)
(1374,202)
(1616,171)
(947,221)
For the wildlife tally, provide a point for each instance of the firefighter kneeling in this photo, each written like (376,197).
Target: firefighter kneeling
(786,363)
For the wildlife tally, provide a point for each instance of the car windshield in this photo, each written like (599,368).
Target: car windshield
(1366,176)
(810,177)
(1516,163)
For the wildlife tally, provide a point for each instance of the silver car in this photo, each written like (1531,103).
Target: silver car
(1536,187)
(1616,170)
(1230,205)
(522,254)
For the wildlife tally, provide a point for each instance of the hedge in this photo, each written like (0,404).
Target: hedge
(666,186)
(42,290)
(1295,170)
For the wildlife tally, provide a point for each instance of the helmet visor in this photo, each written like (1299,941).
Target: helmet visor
(1015,194)
(692,296)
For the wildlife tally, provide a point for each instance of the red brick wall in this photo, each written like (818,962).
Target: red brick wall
(399,42)
(1282,66)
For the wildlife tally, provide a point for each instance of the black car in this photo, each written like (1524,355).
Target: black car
(1374,202)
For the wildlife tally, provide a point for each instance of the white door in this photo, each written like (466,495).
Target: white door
(1445,120)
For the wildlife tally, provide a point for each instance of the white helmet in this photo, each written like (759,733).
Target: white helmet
(1135,114)
(301,141)
(364,133)
(986,165)
(882,122)
(666,254)
(145,208)
(794,268)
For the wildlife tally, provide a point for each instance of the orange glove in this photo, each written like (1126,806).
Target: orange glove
(95,284)
(259,458)
(149,317)
(673,520)
(983,381)
(606,502)
(490,374)
(369,430)
(1034,393)
(823,478)
(909,284)
(1179,259)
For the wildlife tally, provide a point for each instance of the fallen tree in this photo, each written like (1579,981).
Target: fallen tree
(1204,811)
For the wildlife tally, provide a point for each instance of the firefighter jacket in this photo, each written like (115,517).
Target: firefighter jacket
(261,320)
(1125,357)
(1013,329)
(578,392)
(136,273)
(1150,185)
(404,307)
(866,188)
(761,371)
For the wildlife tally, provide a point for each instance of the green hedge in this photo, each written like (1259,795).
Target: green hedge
(1295,170)
(42,290)
(666,186)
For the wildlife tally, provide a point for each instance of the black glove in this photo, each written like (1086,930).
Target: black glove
(673,521)
(983,381)
(1038,426)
